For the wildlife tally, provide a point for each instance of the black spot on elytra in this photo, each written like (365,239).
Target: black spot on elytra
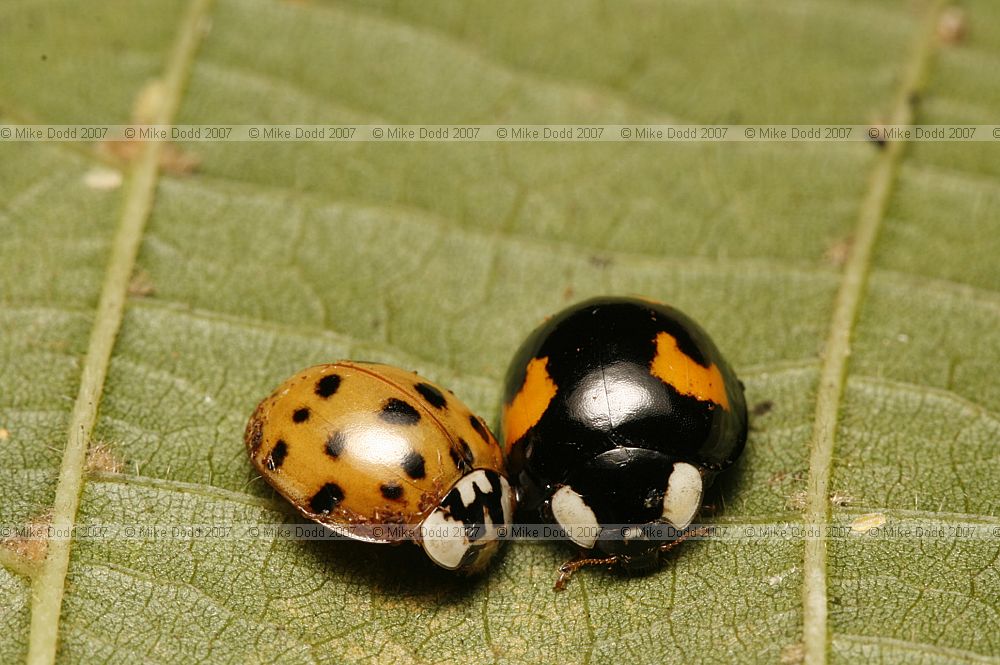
(398,412)
(328,385)
(431,394)
(335,444)
(462,455)
(392,491)
(413,464)
(301,415)
(326,499)
(480,428)
(277,455)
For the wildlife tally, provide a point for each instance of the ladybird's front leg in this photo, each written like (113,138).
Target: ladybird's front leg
(581,560)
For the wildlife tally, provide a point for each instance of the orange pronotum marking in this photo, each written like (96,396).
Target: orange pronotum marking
(689,378)
(531,400)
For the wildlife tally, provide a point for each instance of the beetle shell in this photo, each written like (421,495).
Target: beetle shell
(353,444)
(620,411)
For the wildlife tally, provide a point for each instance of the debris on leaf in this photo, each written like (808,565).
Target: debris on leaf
(836,253)
(141,285)
(952,25)
(100,459)
(865,523)
(30,544)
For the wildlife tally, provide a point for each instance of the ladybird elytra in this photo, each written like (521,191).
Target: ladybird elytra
(355,446)
(619,411)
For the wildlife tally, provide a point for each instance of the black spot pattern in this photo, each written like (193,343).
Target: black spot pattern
(472,515)
(477,425)
(432,395)
(301,415)
(392,491)
(326,499)
(462,455)
(277,456)
(335,444)
(398,412)
(328,385)
(413,464)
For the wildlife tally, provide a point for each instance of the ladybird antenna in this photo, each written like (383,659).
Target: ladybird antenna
(687,535)
(567,569)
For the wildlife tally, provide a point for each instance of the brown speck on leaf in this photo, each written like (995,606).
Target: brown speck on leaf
(841,499)
(173,160)
(30,543)
(792,654)
(952,25)
(761,408)
(599,261)
(100,459)
(568,293)
(797,501)
(777,477)
(876,133)
(141,285)
(837,252)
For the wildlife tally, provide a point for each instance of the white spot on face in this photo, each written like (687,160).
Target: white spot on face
(573,514)
(683,497)
(443,541)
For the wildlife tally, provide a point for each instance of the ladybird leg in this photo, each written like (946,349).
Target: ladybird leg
(693,533)
(567,569)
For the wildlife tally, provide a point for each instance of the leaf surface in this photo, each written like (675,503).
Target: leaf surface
(441,257)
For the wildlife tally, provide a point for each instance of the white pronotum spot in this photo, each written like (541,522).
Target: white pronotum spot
(573,514)
(683,497)
(441,541)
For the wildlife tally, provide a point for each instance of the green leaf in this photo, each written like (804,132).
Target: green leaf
(855,289)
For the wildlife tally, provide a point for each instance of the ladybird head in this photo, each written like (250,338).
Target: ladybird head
(461,532)
(626,486)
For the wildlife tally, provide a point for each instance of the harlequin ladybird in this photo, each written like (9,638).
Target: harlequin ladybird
(359,446)
(619,411)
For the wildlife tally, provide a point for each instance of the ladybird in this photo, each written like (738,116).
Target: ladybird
(360,446)
(619,411)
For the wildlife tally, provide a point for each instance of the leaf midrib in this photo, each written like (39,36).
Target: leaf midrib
(49,586)
(836,352)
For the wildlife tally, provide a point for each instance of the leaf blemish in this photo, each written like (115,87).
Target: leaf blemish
(865,523)
(30,545)
(141,285)
(100,459)
(103,179)
(952,25)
